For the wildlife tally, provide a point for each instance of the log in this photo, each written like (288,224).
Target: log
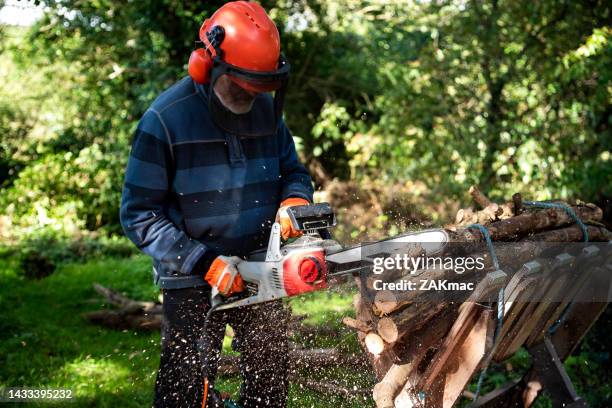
(469,316)
(489,212)
(486,216)
(392,327)
(132,314)
(388,301)
(413,353)
(465,216)
(118,320)
(356,325)
(126,304)
(479,198)
(447,342)
(398,316)
(530,222)
(465,360)
(571,234)
(466,342)
(385,391)
(363,311)
(140,315)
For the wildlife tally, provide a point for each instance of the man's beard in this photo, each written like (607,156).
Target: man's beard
(237,104)
(262,114)
(235,99)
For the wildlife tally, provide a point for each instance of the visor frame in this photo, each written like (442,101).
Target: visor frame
(256,81)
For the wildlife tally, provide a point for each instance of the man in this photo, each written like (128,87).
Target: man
(212,165)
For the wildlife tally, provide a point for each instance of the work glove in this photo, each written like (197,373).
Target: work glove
(223,275)
(282,217)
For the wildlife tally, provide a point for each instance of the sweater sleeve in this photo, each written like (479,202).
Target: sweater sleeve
(295,178)
(145,198)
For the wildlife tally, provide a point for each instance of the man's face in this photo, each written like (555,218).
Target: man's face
(232,96)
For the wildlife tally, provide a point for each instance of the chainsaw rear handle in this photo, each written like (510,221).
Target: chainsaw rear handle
(313,218)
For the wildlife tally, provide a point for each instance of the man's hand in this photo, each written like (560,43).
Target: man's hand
(224,275)
(282,217)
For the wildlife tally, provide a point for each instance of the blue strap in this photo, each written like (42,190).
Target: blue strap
(553,328)
(500,304)
(567,209)
(485,233)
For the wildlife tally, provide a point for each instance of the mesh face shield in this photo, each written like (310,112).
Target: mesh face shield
(264,117)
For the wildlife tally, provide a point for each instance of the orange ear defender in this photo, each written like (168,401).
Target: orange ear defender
(201,59)
(200,64)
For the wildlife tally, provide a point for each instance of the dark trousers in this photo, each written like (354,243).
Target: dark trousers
(260,336)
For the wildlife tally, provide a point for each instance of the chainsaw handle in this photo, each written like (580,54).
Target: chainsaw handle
(311,216)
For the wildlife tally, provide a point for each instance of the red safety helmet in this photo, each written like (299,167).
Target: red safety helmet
(240,40)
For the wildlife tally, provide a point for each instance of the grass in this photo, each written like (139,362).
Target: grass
(45,342)
(48,344)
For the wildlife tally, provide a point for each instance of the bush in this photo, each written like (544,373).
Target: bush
(35,265)
(40,253)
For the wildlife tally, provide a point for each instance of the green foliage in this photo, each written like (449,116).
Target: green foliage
(40,252)
(514,96)
(486,101)
(63,187)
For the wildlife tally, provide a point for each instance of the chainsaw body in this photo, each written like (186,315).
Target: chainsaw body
(291,269)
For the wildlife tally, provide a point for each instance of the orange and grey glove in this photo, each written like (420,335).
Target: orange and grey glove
(282,217)
(223,275)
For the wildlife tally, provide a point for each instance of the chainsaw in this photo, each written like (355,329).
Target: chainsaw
(307,264)
(311,261)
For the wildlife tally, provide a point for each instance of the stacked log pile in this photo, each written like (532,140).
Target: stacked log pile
(425,349)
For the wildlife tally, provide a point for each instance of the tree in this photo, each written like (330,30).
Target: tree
(511,95)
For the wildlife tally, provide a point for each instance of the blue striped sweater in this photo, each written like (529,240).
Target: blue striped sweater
(192,191)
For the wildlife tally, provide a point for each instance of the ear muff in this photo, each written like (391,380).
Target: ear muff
(200,64)
(201,60)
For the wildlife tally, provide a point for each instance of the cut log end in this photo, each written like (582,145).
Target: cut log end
(388,330)
(374,343)
(387,302)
